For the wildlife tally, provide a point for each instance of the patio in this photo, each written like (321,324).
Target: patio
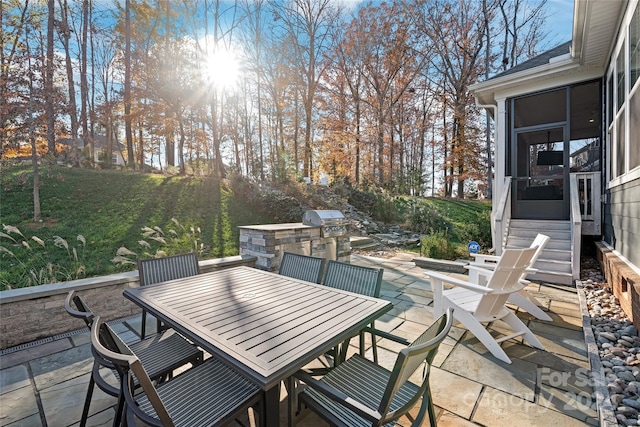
(45,384)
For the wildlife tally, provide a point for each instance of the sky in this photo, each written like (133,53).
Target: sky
(559,21)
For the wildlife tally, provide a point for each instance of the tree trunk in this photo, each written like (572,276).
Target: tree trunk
(73,116)
(48,85)
(37,216)
(127,86)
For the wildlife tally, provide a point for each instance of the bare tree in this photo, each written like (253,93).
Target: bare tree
(309,25)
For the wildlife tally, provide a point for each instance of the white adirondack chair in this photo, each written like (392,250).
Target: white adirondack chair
(475,304)
(478,274)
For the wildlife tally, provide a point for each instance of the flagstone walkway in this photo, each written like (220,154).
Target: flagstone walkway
(45,384)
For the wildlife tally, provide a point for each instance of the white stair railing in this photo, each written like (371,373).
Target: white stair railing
(576,225)
(502,218)
(588,192)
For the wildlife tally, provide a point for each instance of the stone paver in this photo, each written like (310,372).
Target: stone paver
(497,408)
(18,405)
(470,387)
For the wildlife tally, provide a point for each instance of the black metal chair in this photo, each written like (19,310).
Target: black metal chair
(160,353)
(360,393)
(361,280)
(209,394)
(302,267)
(156,270)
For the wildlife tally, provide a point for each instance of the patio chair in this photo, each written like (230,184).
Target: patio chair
(209,394)
(522,298)
(361,280)
(156,270)
(161,355)
(361,393)
(475,304)
(302,267)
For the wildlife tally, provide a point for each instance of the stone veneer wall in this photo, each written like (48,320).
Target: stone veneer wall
(624,281)
(29,314)
(268,242)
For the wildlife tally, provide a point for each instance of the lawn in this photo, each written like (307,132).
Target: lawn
(90,216)
(109,209)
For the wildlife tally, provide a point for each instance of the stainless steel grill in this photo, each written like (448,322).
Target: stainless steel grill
(332,223)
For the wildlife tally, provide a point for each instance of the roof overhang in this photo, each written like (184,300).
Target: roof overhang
(595,26)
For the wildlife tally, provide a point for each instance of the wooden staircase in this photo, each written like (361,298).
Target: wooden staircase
(555,262)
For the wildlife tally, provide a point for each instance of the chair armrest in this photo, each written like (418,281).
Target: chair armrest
(481,270)
(387,335)
(338,396)
(484,258)
(458,282)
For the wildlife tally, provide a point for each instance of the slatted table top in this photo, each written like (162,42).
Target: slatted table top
(265,325)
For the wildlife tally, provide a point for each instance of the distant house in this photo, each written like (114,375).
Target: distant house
(99,147)
(568,148)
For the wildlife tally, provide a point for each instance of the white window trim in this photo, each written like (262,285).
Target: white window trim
(622,43)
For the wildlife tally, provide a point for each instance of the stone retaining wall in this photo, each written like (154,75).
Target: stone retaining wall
(624,281)
(30,314)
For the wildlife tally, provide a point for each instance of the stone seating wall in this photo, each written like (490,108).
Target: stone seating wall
(31,314)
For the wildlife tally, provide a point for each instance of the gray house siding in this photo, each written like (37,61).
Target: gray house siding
(621,224)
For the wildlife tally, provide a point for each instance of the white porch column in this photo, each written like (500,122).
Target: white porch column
(500,157)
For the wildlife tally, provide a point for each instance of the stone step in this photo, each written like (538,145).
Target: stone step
(360,240)
(367,247)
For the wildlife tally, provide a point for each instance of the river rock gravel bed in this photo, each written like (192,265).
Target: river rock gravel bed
(618,345)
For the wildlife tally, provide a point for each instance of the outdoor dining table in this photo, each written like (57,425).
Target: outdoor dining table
(265,325)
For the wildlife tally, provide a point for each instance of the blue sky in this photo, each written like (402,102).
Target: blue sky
(559,21)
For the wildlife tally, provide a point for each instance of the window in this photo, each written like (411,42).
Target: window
(620,70)
(634,129)
(541,108)
(609,100)
(634,48)
(620,147)
(634,89)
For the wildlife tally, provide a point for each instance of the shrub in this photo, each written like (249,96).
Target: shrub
(428,219)
(37,262)
(364,201)
(479,231)
(438,245)
(155,243)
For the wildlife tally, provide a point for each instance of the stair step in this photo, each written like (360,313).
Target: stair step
(553,266)
(532,233)
(555,262)
(555,255)
(520,242)
(540,225)
(360,240)
(559,278)
(366,246)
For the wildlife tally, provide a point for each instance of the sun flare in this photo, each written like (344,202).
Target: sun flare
(222,68)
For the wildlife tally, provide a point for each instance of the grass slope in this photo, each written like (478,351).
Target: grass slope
(110,208)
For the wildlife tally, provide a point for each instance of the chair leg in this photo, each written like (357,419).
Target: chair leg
(119,411)
(480,332)
(528,303)
(87,403)
(432,412)
(517,325)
